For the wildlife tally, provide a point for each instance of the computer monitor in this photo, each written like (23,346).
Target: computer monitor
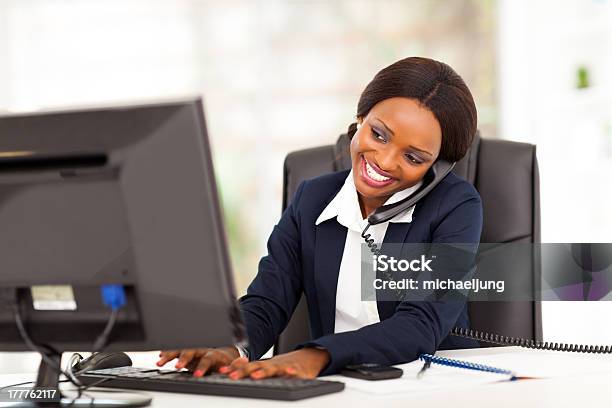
(113,196)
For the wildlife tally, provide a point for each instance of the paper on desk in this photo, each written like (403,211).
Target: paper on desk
(524,363)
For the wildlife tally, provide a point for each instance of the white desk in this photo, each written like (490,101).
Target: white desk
(581,388)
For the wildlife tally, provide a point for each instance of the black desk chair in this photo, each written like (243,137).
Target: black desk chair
(505,174)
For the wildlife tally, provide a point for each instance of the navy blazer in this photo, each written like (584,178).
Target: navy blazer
(305,258)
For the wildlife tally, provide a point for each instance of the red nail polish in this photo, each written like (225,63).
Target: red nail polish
(223,369)
(234,375)
(198,373)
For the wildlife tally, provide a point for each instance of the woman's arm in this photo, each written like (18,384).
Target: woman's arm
(274,293)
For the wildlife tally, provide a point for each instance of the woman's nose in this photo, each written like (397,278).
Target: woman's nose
(387,161)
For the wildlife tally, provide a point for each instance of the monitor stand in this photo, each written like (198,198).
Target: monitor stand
(48,378)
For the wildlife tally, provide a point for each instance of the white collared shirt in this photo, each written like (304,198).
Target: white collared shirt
(351,312)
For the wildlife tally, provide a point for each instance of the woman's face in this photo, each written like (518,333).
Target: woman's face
(397,143)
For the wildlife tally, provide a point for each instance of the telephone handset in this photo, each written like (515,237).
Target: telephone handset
(432,178)
(438,171)
(435,175)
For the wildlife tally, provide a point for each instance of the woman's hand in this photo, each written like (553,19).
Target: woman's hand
(200,361)
(304,363)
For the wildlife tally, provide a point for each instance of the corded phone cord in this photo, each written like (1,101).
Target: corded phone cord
(440,170)
(377,251)
(497,338)
(528,343)
(370,241)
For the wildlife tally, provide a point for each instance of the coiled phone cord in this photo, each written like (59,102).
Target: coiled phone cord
(500,339)
(376,251)
(370,241)
(528,343)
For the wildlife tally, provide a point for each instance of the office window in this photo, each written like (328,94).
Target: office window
(284,75)
(276,75)
(556,92)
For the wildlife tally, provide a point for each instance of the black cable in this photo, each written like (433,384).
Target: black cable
(102,339)
(16,385)
(25,383)
(378,252)
(528,343)
(370,241)
(494,338)
(82,391)
(99,344)
(82,388)
(33,346)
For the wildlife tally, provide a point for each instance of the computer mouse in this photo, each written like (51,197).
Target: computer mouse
(99,361)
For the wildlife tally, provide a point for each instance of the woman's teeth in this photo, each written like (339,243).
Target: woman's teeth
(374,175)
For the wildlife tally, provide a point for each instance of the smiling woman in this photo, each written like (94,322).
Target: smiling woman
(413,113)
(387,161)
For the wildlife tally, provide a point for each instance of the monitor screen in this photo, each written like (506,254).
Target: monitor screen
(123,195)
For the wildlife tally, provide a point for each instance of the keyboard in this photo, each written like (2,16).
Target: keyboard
(277,388)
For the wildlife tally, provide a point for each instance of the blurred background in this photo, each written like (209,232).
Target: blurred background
(281,75)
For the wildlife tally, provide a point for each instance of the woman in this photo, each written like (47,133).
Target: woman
(411,114)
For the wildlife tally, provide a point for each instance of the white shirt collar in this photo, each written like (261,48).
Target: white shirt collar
(345,206)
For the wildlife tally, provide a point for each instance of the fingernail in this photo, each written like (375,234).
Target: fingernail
(234,375)
(159,363)
(257,374)
(198,373)
(178,366)
(290,370)
(223,369)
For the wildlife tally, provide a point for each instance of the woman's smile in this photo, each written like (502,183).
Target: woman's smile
(396,143)
(373,176)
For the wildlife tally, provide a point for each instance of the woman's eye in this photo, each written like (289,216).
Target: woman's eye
(378,135)
(413,159)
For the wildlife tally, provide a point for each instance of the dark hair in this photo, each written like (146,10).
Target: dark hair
(437,87)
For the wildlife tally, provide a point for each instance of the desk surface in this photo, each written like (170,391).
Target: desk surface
(581,388)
